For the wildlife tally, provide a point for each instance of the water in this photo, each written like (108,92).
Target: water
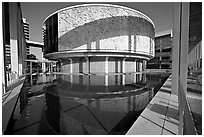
(83,104)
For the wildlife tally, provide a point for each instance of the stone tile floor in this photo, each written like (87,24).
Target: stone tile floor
(161,115)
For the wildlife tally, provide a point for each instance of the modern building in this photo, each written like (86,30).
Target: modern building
(14,44)
(26,29)
(163,51)
(195,36)
(39,63)
(99,38)
(35,48)
(163,43)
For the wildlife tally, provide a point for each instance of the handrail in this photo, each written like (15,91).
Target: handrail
(186,124)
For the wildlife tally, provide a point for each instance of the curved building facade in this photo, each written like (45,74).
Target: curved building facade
(99,38)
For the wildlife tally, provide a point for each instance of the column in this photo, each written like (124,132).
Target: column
(88,64)
(123,79)
(180,48)
(141,66)
(43,67)
(160,64)
(144,64)
(134,77)
(106,65)
(106,82)
(123,64)
(138,66)
(135,70)
(49,67)
(71,69)
(135,66)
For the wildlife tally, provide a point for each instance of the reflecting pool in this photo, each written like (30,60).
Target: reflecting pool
(83,104)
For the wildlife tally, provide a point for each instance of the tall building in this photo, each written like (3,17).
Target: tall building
(163,51)
(14,44)
(99,38)
(26,29)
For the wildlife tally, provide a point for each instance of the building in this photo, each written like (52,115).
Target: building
(99,38)
(163,51)
(26,29)
(163,43)
(195,36)
(36,56)
(14,44)
(35,48)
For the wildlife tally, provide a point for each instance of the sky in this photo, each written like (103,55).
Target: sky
(35,12)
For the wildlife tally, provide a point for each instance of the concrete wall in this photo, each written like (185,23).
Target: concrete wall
(75,65)
(103,27)
(83,14)
(66,66)
(115,33)
(97,64)
(114,65)
(129,65)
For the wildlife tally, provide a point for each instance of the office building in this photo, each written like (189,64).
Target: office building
(163,51)
(163,43)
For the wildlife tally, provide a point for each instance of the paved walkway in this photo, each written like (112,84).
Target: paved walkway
(161,115)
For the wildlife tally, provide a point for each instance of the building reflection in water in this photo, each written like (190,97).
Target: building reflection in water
(86,104)
(61,114)
(105,83)
(52,110)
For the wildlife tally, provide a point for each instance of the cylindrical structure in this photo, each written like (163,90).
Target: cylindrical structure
(98,31)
